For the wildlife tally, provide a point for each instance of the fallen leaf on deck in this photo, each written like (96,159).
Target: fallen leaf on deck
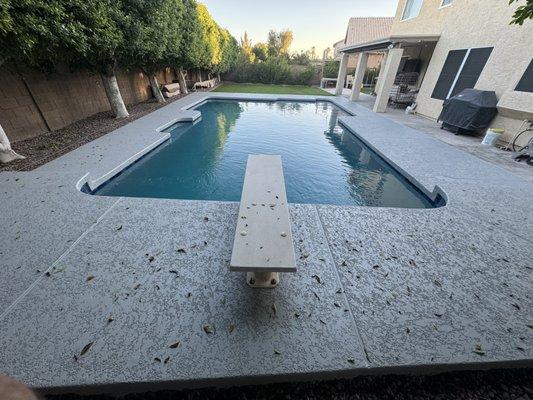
(208,329)
(86,348)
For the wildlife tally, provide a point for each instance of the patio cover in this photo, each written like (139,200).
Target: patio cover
(384,43)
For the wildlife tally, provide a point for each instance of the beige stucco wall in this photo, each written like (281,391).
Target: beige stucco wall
(430,21)
(482,23)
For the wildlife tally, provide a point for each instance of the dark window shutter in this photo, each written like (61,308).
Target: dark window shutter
(472,69)
(447,75)
(526,82)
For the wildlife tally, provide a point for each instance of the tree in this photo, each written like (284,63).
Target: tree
(229,50)
(210,53)
(104,45)
(523,12)
(285,41)
(246,48)
(33,33)
(279,43)
(260,51)
(151,29)
(7,154)
(187,55)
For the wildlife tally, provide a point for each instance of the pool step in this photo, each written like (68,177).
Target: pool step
(263,244)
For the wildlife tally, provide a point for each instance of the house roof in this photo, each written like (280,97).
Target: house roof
(367,29)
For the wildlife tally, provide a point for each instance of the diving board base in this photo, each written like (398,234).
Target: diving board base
(262,279)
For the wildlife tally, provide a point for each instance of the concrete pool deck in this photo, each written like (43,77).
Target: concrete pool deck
(123,294)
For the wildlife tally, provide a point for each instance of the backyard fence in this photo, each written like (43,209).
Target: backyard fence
(32,103)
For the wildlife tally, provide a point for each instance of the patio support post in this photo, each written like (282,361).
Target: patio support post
(388,75)
(359,75)
(342,74)
(381,68)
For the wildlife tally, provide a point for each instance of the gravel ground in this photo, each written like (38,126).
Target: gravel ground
(513,384)
(45,147)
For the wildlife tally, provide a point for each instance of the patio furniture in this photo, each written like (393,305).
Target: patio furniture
(404,92)
(171,90)
(324,82)
(205,84)
(263,245)
(349,81)
(402,95)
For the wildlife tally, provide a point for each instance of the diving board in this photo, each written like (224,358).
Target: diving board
(263,245)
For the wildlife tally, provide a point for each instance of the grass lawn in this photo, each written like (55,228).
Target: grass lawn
(270,89)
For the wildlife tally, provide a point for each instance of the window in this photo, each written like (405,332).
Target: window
(446,3)
(460,71)
(526,82)
(412,8)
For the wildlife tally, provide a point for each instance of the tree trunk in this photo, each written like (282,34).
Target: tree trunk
(156,91)
(183,83)
(113,94)
(6,152)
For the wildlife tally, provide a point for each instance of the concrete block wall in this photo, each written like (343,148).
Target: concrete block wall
(32,103)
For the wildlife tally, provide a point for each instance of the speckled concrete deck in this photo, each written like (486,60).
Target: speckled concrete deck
(97,292)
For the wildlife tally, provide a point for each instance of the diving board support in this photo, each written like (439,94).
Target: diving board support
(263,245)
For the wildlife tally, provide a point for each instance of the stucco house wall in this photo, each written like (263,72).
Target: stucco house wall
(472,24)
(429,21)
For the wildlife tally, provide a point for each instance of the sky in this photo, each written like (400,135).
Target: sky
(318,23)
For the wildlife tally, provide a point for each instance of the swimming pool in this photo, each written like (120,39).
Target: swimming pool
(323,162)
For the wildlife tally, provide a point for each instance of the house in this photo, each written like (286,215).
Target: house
(452,45)
(362,30)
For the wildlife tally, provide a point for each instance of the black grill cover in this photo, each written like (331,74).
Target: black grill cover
(471,109)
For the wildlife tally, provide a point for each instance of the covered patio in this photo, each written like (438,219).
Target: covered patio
(409,55)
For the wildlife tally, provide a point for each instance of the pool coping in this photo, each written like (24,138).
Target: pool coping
(484,205)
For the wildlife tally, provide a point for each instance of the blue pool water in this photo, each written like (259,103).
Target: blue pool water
(323,162)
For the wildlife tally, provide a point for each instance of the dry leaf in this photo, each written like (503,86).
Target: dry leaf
(86,348)
(478,350)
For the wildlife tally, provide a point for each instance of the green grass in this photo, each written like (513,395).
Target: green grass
(270,89)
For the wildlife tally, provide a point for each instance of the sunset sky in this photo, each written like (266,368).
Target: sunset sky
(314,22)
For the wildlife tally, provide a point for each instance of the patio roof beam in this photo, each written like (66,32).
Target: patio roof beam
(384,43)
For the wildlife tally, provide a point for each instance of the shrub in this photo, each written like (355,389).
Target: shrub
(305,77)
(274,70)
(331,69)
